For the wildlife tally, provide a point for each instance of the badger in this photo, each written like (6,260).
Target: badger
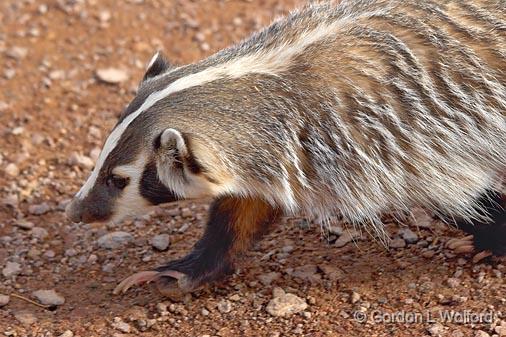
(357,109)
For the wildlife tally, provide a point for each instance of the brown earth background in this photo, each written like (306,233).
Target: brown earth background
(54,116)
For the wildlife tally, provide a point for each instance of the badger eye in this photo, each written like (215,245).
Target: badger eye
(117,181)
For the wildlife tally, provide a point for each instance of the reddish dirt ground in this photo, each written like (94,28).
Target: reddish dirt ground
(52,107)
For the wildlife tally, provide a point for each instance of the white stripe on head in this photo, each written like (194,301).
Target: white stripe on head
(272,62)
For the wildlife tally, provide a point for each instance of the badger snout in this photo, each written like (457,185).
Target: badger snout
(79,210)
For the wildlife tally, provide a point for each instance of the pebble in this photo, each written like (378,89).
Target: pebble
(17,53)
(306,273)
(112,75)
(224,306)
(118,324)
(422,219)
(39,233)
(355,297)
(4,300)
(26,318)
(285,304)
(346,238)
(49,297)
(481,333)
(67,333)
(161,241)
(12,170)
(11,269)
(23,224)
(408,235)
(453,282)
(115,240)
(331,272)
(39,209)
(80,160)
(397,243)
(435,329)
(267,278)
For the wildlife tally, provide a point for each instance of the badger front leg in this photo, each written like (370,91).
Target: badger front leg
(233,225)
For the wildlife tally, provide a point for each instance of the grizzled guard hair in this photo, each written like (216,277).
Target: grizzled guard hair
(357,108)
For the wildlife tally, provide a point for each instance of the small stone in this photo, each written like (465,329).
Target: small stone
(17,53)
(435,329)
(306,273)
(355,297)
(267,278)
(11,269)
(23,224)
(335,229)
(56,75)
(286,305)
(70,252)
(224,306)
(4,300)
(453,282)
(12,170)
(39,209)
(161,241)
(67,333)
(347,237)
(397,243)
(204,312)
(408,235)
(25,318)
(422,219)
(80,160)
(39,233)
(481,333)
(112,75)
(331,272)
(121,326)
(49,297)
(115,240)
(104,16)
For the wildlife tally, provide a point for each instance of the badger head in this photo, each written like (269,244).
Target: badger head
(145,161)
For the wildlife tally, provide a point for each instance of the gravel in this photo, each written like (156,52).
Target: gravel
(408,235)
(39,209)
(347,237)
(285,304)
(112,75)
(161,242)
(49,297)
(25,317)
(12,170)
(115,240)
(4,300)
(11,269)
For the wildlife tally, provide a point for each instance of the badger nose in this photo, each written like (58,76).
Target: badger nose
(73,211)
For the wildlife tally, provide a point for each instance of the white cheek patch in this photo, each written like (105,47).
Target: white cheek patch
(130,202)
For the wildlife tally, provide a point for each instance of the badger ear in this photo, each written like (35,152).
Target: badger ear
(171,141)
(156,66)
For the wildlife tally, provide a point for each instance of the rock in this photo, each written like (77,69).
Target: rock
(397,243)
(23,224)
(67,333)
(422,219)
(435,329)
(4,300)
(12,170)
(347,237)
(80,160)
(285,304)
(481,333)
(49,297)
(112,75)
(17,53)
(104,16)
(224,306)
(408,235)
(11,269)
(331,272)
(39,209)
(453,282)
(306,273)
(39,233)
(335,229)
(267,278)
(118,324)
(25,317)
(355,297)
(115,240)
(3,106)
(161,241)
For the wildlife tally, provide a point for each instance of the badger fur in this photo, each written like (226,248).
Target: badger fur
(356,108)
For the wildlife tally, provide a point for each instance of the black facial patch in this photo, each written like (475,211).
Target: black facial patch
(152,188)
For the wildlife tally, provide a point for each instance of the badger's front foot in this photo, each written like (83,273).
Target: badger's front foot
(234,223)
(466,246)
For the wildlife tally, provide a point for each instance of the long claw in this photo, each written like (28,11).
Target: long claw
(455,243)
(464,249)
(137,278)
(481,255)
